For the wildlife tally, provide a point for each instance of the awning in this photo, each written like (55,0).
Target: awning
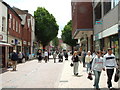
(5,44)
(81,32)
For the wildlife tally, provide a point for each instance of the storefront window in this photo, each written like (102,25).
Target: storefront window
(115,45)
(107,43)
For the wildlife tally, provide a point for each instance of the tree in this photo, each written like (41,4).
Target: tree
(55,42)
(46,27)
(67,35)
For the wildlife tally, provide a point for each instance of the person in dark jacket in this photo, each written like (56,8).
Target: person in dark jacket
(39,55)
(75,60)
(14,59)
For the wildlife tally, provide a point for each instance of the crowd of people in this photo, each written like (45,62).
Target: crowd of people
(96,62)
(44,55)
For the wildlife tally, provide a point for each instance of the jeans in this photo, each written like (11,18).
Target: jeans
(97,78)
(110,74)
(88,67)
(75,68)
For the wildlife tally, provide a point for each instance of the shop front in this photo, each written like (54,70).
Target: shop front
(115,45)
(3,50)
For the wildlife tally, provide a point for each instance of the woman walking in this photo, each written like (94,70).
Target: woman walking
(97,67)
(88,59)
(75,60)
(39,54)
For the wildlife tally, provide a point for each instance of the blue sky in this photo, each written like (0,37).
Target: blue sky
(61,9)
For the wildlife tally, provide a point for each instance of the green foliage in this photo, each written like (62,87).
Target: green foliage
(46,27)
(55,42)
(67,35)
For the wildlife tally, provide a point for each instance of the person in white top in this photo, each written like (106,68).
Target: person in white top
(46,56)
(97,67)
(110,63)
(88,59)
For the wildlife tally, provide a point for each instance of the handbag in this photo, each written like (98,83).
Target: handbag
(116,78)
(71,65)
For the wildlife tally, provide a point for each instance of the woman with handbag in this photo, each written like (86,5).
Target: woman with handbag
(75,60)
(97,67)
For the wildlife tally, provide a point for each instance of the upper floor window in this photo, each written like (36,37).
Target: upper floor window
(17,26)
(107,7)
(13,23)
(114,3)
(98,12)
(10,20)
(3,23)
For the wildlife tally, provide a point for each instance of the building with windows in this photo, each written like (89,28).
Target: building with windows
(82,24)
(106,26)
(3,35)
(28,32)
(14,30)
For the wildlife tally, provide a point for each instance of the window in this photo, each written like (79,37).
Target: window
(107,7)
(114,3)
(19,27)
(13,23)
(98,12)
(3,23)
(10,20)
(16,26)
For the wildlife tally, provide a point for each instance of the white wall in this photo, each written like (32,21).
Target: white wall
(3,11)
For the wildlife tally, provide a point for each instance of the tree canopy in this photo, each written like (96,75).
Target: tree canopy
(55,42)
(67,35)
(46,28)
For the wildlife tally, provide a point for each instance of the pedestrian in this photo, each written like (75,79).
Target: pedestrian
(20,57)
(97,67)
(75,59)
(60,57)
(39,55)
(110,63)
(66,55)
(93,56)
(83,57)
(88,59)
(46,56)
(54,56)
(14,59)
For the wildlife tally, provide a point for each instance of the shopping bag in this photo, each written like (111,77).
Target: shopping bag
(116,77)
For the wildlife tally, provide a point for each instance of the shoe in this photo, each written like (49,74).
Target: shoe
(76,74)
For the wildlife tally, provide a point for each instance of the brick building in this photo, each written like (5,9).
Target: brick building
(82,24)
(28,28)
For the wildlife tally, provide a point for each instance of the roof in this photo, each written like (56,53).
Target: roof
(8,6)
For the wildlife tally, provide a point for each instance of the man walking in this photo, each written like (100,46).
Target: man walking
(46,56)
(54,56)
(110,64)
(14,59)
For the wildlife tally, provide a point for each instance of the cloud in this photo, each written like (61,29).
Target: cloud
(61,9)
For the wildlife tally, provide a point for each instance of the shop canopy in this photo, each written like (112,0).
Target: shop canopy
(5,44)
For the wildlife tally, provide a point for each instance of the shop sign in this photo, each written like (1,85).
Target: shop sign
(1,37)
(28,43)
(98,22)
(16,41)
(24,42)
